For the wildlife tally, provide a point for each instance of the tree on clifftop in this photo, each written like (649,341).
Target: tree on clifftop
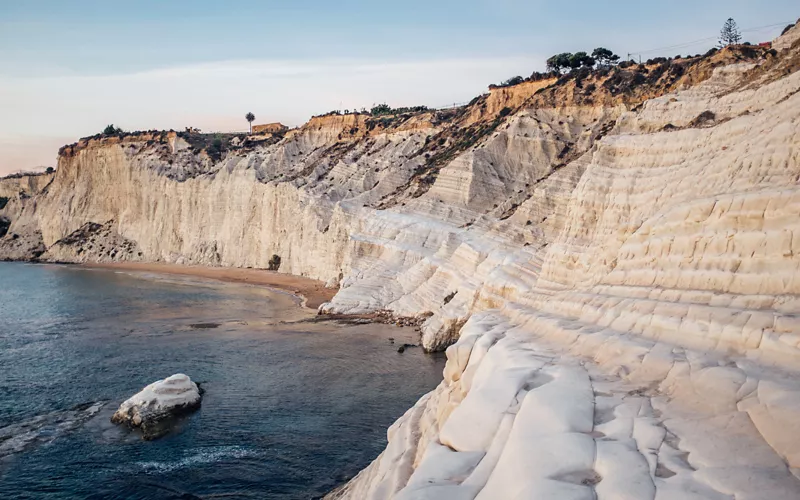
(250,117)
(559,62)
(729,34)
(605,57)
(580,59)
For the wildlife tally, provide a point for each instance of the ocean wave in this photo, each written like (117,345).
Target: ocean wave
(202,457)
(45,428)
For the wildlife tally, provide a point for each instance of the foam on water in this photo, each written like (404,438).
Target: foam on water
(211,455)
(45,428)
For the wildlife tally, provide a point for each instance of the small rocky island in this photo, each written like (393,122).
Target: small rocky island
(152,409)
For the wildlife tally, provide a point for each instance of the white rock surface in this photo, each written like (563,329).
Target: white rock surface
(161,400)
(622,279)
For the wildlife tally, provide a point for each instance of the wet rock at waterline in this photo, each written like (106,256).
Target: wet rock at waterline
(153,409)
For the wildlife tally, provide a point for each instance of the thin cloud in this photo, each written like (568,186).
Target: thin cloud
(215,96)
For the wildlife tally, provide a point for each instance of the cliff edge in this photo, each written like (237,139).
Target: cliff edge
(610,258)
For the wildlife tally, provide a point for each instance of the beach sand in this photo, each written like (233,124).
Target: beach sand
(312,292)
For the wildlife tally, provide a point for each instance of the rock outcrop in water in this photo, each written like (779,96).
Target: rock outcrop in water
(151,409)
(612,257)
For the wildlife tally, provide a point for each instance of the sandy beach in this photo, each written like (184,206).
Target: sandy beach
(312,291)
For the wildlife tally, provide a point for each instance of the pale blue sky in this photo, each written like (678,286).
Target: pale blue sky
(69,68)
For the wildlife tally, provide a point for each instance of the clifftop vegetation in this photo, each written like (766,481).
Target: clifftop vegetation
(377,110)
(18,175)
(599,77)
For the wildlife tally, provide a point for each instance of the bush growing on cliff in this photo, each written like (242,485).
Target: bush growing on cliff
(3,202)
(656,60)
(380,109)
(215,149)
(274,263)
(112,130)
(537,76)
(385,109)
(786,29)
(514,80)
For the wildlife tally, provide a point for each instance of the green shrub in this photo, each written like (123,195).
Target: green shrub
(385,109)
(112,130)
(274,263)
(381,109)
(514,80)
(216,148)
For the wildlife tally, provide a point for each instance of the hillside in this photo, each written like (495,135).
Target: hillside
(611,256)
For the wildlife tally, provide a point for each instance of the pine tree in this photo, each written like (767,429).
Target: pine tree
(605,57)
(729,34)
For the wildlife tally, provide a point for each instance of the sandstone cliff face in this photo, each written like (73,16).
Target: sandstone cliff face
(27,184)
(616,257)
(15,192)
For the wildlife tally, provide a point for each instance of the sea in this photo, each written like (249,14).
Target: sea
(293,407)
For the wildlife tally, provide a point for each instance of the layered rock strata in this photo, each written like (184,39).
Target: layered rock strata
(615,256)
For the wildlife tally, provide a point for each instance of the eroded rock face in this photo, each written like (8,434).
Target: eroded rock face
(151,409)
(629,240)
(93,243)
(16,191)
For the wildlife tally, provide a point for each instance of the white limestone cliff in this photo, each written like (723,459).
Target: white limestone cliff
(616,262)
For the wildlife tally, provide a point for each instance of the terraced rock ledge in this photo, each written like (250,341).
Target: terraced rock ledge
(612,261)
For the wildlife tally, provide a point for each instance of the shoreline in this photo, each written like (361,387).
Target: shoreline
(312,293)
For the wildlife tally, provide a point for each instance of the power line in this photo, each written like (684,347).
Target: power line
(709,39)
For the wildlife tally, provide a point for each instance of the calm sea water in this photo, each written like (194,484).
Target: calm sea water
(291,409)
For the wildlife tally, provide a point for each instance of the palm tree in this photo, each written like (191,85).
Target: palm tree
(250,117)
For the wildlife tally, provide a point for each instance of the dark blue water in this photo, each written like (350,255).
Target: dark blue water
(290,411)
